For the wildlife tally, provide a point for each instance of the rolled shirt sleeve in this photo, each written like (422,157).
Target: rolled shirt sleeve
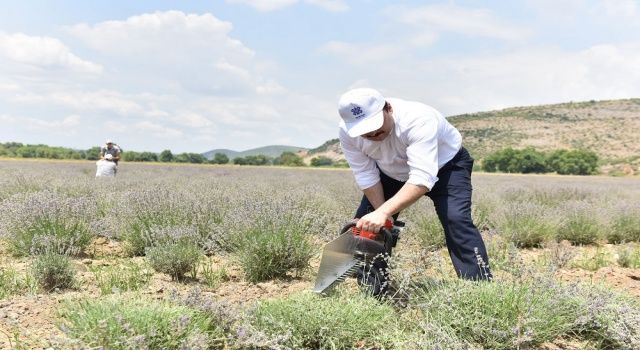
(364,169)
(422,152)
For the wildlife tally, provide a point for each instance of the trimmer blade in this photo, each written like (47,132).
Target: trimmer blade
(338,262)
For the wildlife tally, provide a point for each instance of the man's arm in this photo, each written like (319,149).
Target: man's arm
(375,195)
(374,221)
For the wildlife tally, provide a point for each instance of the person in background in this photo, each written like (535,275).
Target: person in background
(112,149)
(400,151)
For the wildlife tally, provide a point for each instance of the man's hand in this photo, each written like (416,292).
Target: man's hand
(373,221)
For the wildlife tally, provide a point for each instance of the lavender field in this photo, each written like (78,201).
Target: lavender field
(224,257)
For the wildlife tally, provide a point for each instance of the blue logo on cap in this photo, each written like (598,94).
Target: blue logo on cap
(356,110)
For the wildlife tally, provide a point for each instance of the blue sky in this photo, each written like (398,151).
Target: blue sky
(191,76)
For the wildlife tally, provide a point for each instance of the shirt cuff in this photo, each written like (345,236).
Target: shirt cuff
(367,181)
(423,180)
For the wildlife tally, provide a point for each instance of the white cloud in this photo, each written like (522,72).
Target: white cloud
(529,76)
(164,37)
(627,9)
(101,100)
(147,128)
(470,22)
(65,126)
(192,120)
(358,54)
(44,52)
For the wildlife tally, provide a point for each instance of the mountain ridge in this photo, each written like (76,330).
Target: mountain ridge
(610,128)
(270,151)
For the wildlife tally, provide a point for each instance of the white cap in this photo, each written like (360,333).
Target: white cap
(109,156)
(361,110)
(109,141)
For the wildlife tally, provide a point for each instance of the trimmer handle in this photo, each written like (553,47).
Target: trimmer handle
(389,233)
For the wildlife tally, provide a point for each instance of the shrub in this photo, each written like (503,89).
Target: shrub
(579,226)
(314,322)
(501,252)
(609,319)
(125,322)
(509,160)
(268,252)
(174,259)
(625,227)
(429,231)
(53,270)
(321,161)
(288,159)
(153,215)
(47,221)
(629,256)
(121,278)
(573,162)
(558,254)
(497,315)
(525,224)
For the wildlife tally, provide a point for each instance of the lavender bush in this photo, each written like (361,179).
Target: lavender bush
(53,271)
(314,322)
(525,224)
(580,226)
(174,259)
(47,221)
(625,225)
(120,321)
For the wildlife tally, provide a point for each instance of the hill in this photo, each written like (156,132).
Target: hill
(611,129)
(270,151)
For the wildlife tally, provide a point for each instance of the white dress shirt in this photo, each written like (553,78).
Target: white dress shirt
(421,142)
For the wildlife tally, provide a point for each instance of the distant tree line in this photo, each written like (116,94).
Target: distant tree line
(529,160)
(19,150)
(288,159)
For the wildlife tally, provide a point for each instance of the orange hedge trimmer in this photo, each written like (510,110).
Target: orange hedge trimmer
(359,254)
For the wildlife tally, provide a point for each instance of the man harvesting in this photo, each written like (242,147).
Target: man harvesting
(400,151)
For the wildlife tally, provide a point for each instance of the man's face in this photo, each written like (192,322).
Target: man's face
(383,131)
(109,145)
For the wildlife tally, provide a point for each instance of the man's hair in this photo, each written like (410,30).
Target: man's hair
(386,107)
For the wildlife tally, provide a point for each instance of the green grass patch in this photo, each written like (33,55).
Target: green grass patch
(212,277)
(121,321)
(593,261)
(313,322)
(13,283)
(126,277)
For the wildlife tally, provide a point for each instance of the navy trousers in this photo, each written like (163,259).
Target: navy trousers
(451,196)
